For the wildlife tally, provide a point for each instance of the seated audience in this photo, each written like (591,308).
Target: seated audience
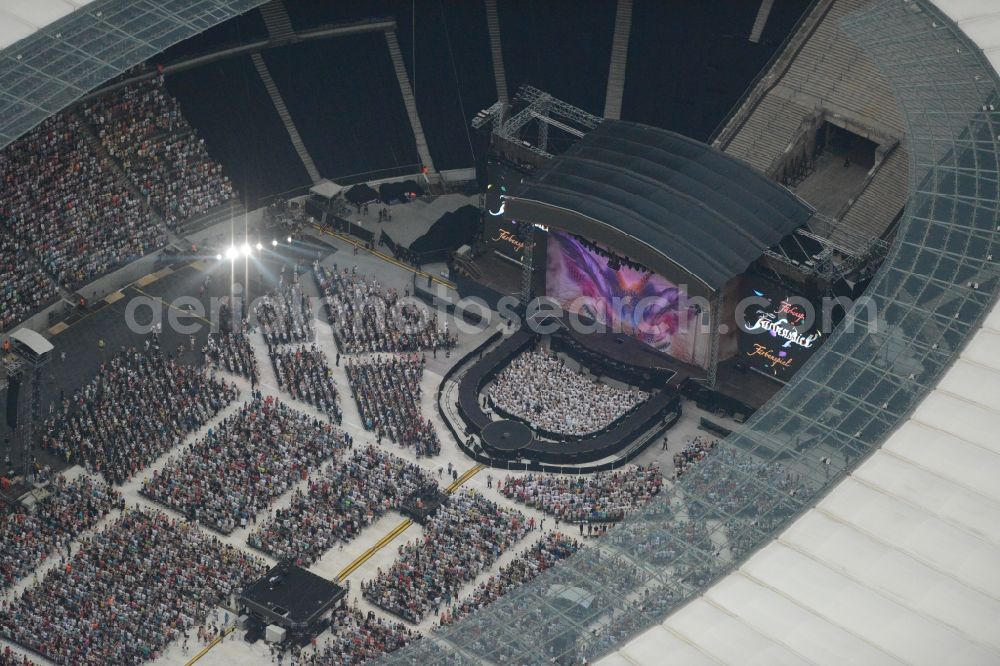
(232,353)
(141,126)
(11,657)
(538,388)
(743,485)
(241,465)
(128,592)
(72,507)
(285,316)
(368,318)
(387,393)
(65,202)
(695,450)
(139,406)
(601,497)
(305,374)
(24,289)
(340,502)
(544,553)
(356,638)
(463,538)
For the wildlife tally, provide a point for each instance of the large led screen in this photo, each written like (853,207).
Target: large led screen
(776,337)
(623,299)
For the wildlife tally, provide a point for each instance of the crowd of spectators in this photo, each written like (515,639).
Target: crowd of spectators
(340,502)
(284,316)
(137,407)
(592,582)
(635,615)
(23,288)
(240,466)
(58,197)
(543,554)
(538,388)
(71,507)
(367,317)
(662,542)
(232,352)
(11,657)
(304,373)
(695,450)
(356,638)
(464,537)
(142,127)
(600,497)
(743,485)
(127,592)
(387,393)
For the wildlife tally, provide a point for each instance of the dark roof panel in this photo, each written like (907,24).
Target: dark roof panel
(703,210)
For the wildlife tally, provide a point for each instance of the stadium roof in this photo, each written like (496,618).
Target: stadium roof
(706,212)
(20,18)
(53,55)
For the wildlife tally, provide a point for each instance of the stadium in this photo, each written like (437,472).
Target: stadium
(499,332)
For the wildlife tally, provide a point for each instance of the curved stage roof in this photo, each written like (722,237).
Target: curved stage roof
(658,196)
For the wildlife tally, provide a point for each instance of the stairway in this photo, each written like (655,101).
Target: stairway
(279,26)
(619,59)
(409,101)
(279,106)
(758,25)
(496,49)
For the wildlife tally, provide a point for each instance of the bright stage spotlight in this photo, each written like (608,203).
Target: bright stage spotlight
(232,253)
(246,249)
(259,247)
(274,243)
(218,257)
(289,240)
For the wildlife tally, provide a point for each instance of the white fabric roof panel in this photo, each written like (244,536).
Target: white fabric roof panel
(663,647)
(703,622)
(20,18)
(948,456)
(786,621)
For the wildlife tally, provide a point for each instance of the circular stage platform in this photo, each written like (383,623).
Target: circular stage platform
(506,437)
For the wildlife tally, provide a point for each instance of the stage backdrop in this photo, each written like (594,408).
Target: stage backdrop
(637,303)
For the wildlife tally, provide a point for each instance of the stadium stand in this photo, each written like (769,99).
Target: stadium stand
(249,139)
(371,135)
(141,126)
(68,203)
(825,72)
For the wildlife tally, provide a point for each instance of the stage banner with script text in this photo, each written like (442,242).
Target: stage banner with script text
(504,237)
(776,336)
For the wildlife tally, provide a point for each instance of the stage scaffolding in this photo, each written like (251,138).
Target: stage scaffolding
(24,366)
(512,134)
